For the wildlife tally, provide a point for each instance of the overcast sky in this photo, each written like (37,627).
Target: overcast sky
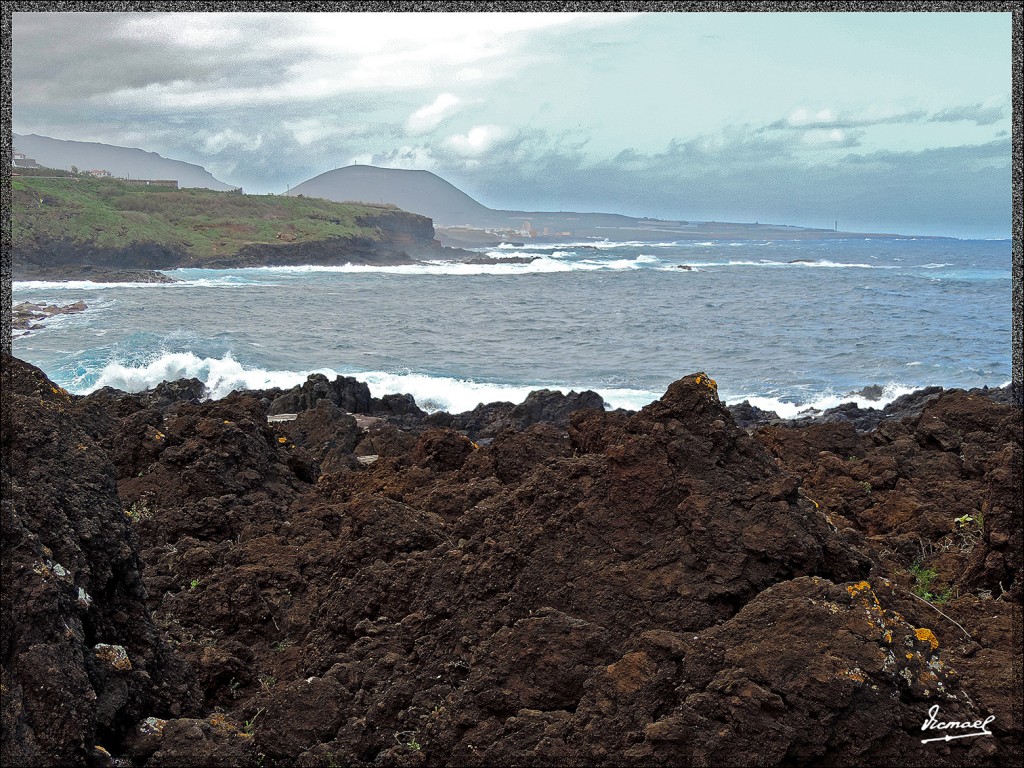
(886,122)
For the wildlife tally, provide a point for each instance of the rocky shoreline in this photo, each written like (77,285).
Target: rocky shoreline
(28,316)
(318,577)
(91,273)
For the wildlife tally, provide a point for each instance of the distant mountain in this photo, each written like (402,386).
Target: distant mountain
(453,210)
(119,161)
(415,191)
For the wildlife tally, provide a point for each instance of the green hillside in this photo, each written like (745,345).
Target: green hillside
(202,223)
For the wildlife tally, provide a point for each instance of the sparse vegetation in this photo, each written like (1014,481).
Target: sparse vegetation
(250,724)
(138,511)
(923,580)
(199,222)
(408,740)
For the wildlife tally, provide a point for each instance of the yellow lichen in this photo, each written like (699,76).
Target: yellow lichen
(853,589)
(707,381)
(282,440)
(926,635)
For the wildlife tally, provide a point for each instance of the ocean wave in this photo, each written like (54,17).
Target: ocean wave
(226,281)
(78,285)
(225,374)
(779,264)
(220,375)
(791,410)
(541,264)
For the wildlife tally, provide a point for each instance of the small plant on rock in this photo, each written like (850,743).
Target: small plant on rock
(139,510)
(923,580)
(408,740)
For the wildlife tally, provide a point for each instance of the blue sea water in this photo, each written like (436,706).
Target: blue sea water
(784,324)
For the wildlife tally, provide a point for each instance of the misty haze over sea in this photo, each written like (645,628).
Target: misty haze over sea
(784,324)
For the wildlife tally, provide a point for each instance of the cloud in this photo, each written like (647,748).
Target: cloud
(804,117)
(979,114)
(477,140)
(429,117)
(412,158)
(218,142)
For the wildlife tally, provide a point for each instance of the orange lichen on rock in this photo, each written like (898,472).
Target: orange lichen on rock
(707,381)
(926,635)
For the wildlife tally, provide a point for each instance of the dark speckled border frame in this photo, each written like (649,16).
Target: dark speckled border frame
(1015,7)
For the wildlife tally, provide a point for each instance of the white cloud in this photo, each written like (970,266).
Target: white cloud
(477,140)
(231,138)
(429,117)
(312,130)
(188,30)
(803,116)
(798,116)
(418,158)
(824,136)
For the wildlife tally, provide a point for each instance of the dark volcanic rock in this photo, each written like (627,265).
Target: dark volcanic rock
(81,658)
(746,415)
(92,273)
(345,392)
(30,317)
(540,407)
(649,588)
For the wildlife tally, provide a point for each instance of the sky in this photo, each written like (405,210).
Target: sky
(887,122)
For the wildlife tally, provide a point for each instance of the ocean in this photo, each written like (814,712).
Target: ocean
(787,325)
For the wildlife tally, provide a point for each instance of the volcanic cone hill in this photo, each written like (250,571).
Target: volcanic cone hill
(360,586)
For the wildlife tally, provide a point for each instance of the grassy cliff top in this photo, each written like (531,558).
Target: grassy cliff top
(201,222)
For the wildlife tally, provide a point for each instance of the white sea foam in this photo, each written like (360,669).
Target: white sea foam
(451,268)
(540,265)
(224,375)
(220,375)
(76,285)
(790,410)
(226,281)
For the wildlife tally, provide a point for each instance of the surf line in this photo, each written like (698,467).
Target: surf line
(933,723)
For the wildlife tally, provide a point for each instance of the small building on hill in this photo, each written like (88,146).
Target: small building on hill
(18,160)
